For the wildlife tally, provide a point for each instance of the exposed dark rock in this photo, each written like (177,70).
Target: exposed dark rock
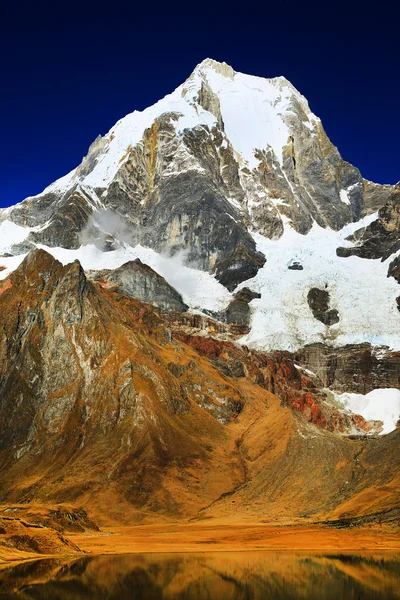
(241,264)
(375,196)
(21,248)
(214,324)
(107,243)
(64,217)
(330,317)
(246,295)
(318,301)
(210,101)
(295,266)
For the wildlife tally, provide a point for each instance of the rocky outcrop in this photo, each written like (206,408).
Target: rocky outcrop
(277,373)
(141,282)
(59,518)
(295,265)
(394,269)
(231,323)
(204,325)
(86,383)
(354,368)
(318,301)
(382,237)
(238,310)
(61,218)
(21,539)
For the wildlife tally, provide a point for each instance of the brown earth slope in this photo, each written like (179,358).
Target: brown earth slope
(105,405)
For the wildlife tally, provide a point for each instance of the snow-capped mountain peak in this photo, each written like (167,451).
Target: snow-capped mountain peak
(253,109)
(221,173)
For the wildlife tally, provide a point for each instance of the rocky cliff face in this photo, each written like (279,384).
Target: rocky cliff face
(381,238)
(318,301)
(354,368)
(139,281)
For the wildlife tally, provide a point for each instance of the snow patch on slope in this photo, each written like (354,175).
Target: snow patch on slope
(344,196)
(378,405)
(282,318)
(10,234)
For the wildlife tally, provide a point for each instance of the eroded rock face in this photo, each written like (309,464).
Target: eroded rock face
(141,282)
(20,538)
(277,373)
(62,215)
(382,237)
(318,301)
(85,372)
(355,368)
(234,321)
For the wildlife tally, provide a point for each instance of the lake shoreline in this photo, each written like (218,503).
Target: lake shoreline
(206,538)
(236,538)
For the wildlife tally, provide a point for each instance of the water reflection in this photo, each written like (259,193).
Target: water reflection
(219,575)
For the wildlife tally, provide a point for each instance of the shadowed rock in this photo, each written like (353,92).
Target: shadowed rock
(141,282)
(318,301)
(394,269)
(358,368)
(238,310)
(382,237)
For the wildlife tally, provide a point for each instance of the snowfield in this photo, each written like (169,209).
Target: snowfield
(281,318)
(11,234)
(379,405)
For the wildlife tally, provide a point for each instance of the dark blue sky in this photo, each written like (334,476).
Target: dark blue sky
(70,73)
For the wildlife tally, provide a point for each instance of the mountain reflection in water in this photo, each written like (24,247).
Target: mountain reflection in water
(219,575)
